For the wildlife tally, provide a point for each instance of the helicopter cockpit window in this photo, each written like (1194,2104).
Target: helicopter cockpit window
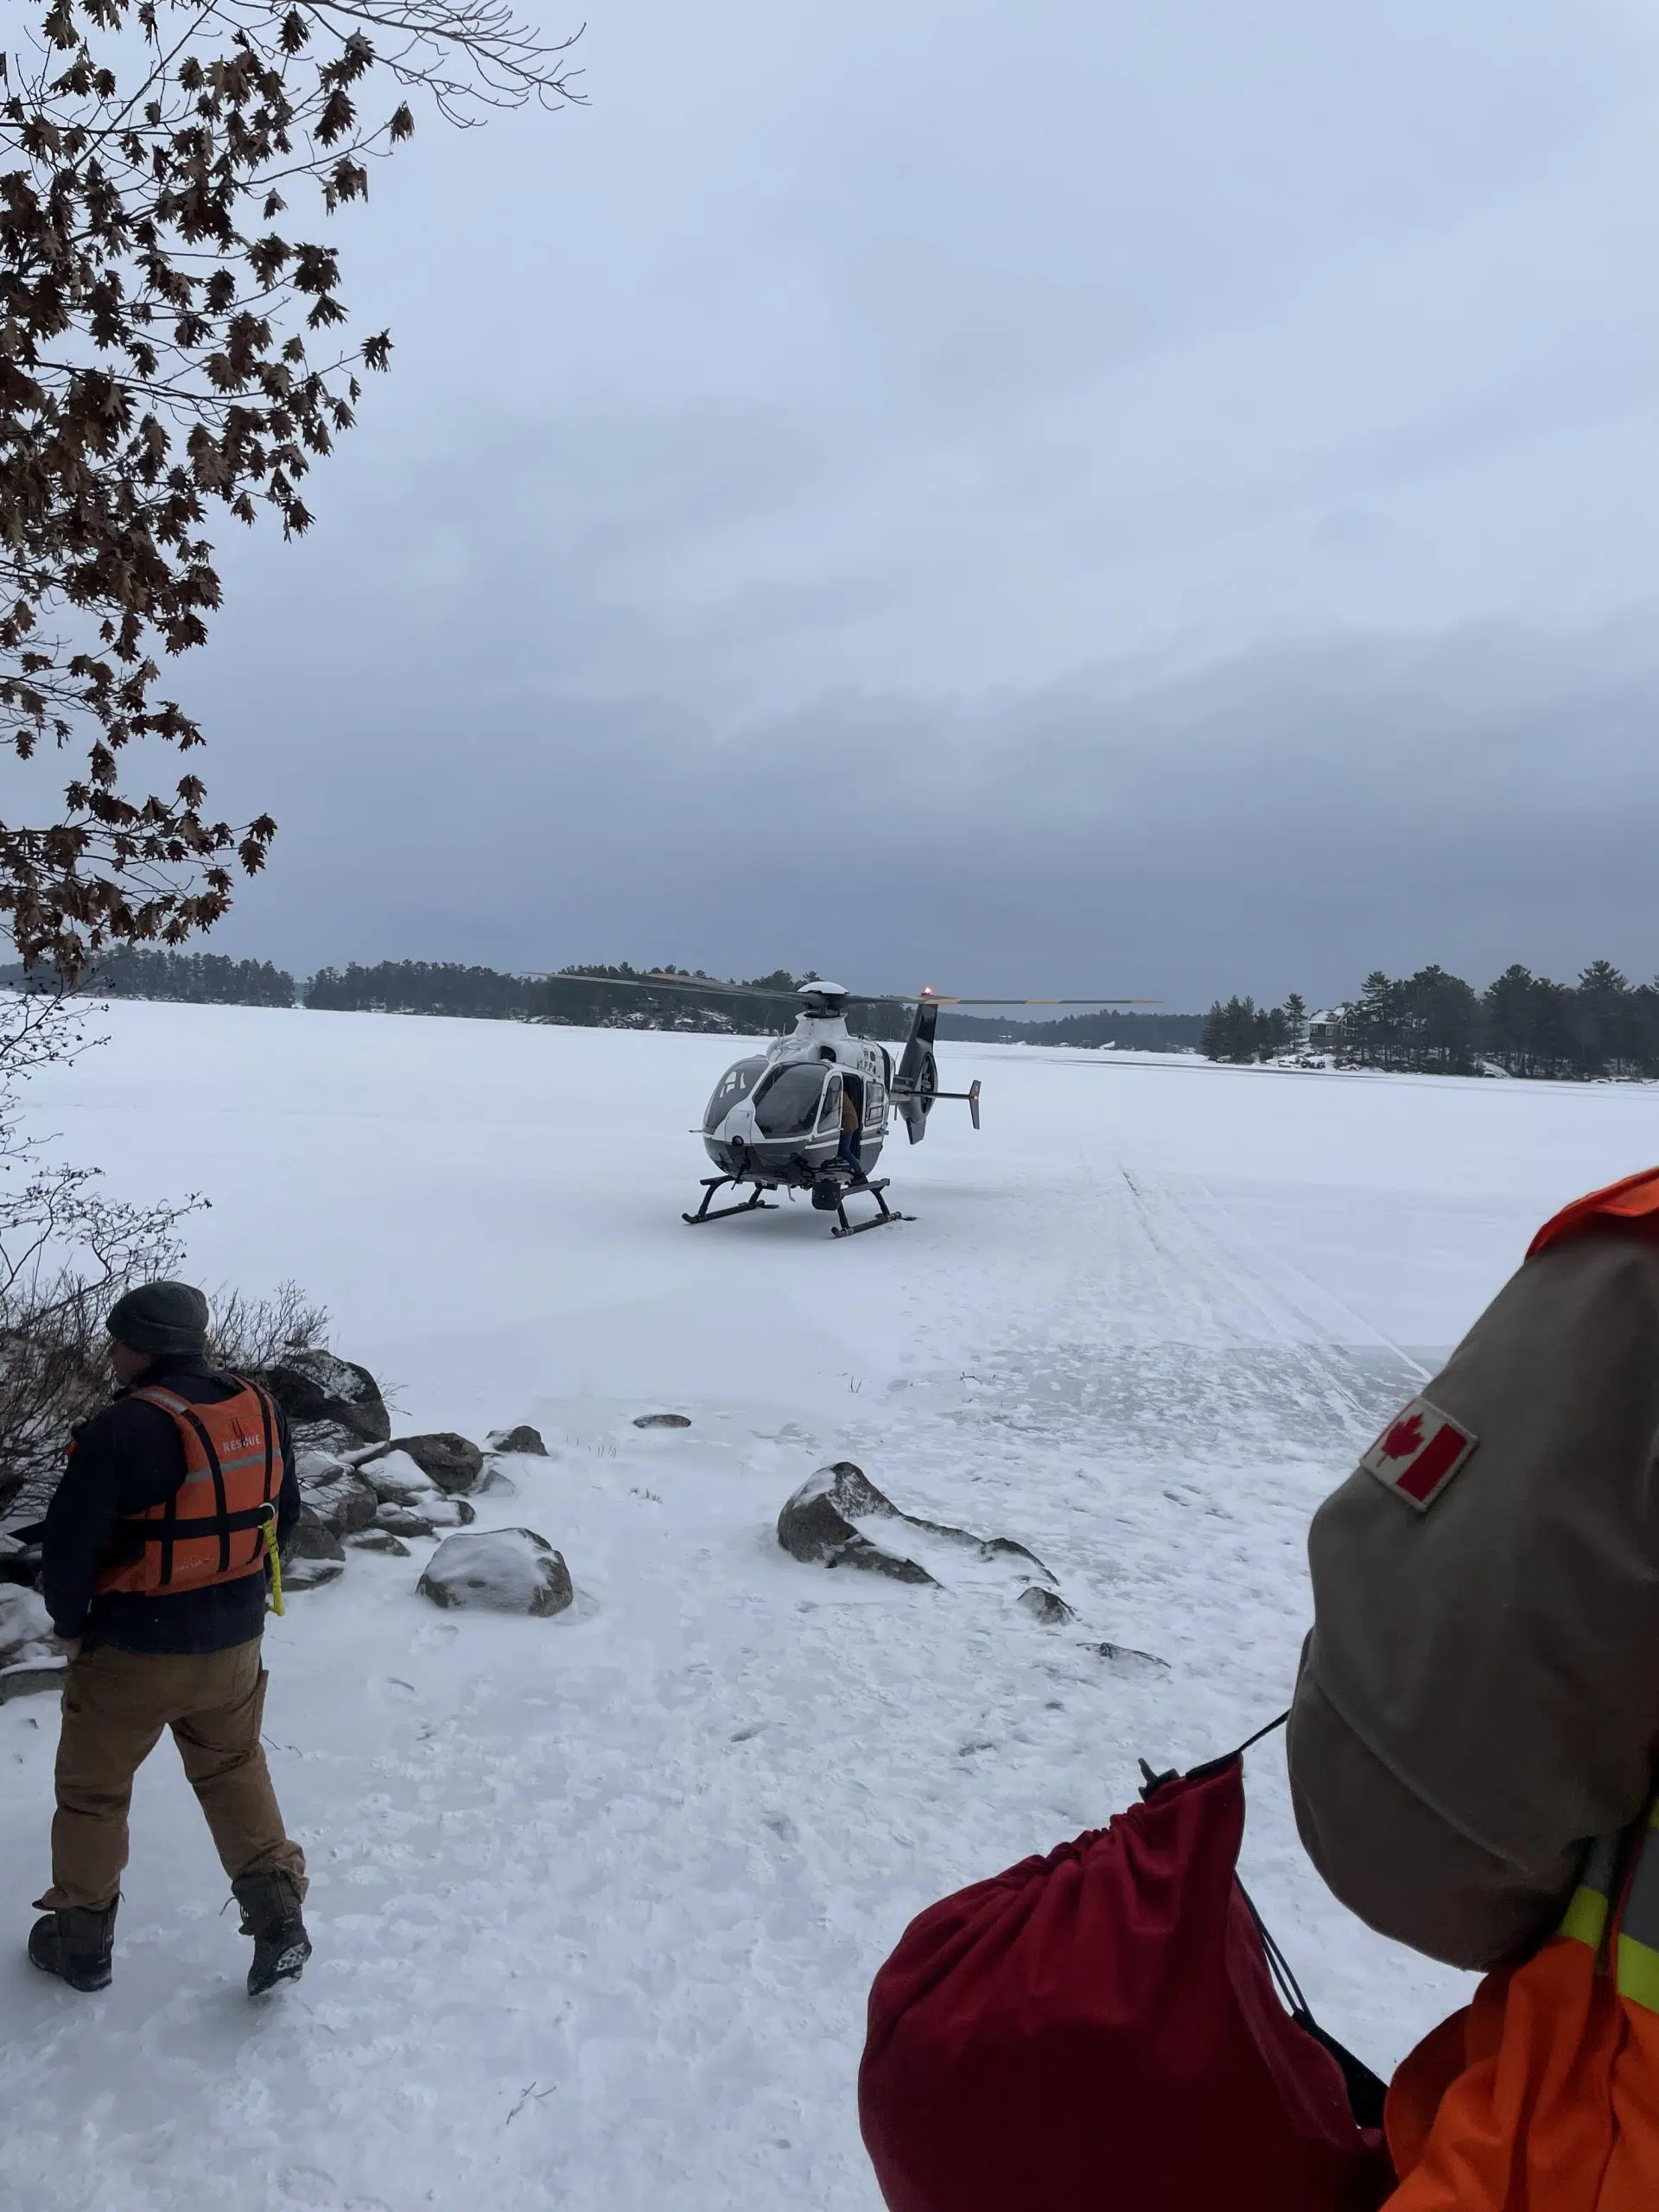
(787,1104)
(732,1088)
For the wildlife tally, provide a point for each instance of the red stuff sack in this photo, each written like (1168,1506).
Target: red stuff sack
(1098,2031)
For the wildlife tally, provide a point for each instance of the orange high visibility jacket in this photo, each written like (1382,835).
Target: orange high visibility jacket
(213,1528)
(1543,2094)
(1636,1200)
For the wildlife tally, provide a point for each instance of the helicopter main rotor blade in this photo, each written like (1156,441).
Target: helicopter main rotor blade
(941,998)
(706,986)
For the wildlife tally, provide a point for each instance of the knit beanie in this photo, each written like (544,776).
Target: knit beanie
(159,1317)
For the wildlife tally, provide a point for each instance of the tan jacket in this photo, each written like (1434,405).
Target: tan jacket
(1480,1692)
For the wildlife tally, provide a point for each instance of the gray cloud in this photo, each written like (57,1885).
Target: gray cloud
(1283,819)
(1158,497)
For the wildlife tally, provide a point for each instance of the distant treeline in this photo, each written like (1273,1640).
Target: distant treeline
(628,1001)
(422,986)
(193,978)
(1435,1023)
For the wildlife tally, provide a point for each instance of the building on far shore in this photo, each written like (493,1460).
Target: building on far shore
(1325,1030)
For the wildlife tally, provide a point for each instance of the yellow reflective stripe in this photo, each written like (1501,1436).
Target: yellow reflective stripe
(1638,1973)
(1585,1918)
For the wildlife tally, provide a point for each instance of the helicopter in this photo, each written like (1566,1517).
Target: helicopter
(813,1111)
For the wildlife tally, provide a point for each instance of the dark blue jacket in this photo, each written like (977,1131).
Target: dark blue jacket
(125,1458)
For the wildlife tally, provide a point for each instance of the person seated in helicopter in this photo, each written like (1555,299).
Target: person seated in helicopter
(852,1121)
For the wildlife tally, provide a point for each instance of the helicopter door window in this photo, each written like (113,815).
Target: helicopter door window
(830,1111)
(732,1088)
(787,1104)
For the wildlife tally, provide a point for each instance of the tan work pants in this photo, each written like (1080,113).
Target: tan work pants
(115,1707)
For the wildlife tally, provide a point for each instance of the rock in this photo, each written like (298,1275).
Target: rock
(816,1525)
(1044,1605)
(378,1540)
(449,1459)
(448,1512)
(662,1421)
(500,1571)
(336,1495)
(312,1539)
(495,1483)
(1134,1664)
(331,1437)
(404,1521)
(394,1478)
(20,1564)
(312,1573)
(523,1438)
(316,1386)
(25,1628)
(32,1675)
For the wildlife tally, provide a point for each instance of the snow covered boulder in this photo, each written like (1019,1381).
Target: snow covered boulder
(19,1563)
(312,1573)
(1044,1605)
(379,1540)
(498,1571)
(333,1493)
(449,1460)
(315,1386)
(816,1525)
(424,1516)
(395,1478)
(313,1539)
(404,1521)
(523,1438)
(29,1658)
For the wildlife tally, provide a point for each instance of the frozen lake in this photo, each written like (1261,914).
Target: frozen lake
(597,1901)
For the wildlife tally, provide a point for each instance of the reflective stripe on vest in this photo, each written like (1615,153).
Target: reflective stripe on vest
(1636,1947)
(1639,1925)
(212,1526)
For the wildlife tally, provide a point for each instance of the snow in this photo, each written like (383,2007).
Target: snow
(597,1898)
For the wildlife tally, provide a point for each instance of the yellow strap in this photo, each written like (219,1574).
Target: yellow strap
(1585,1918)
(273,1560)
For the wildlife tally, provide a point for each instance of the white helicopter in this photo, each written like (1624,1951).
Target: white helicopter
(812,1112)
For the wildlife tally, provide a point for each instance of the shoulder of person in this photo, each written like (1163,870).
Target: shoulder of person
(123,1421)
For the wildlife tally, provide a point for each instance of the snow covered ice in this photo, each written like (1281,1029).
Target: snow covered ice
(597,1898)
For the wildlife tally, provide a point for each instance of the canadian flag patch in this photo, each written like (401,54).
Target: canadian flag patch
(1419,1452)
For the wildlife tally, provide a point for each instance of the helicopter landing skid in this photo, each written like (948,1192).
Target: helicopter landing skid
(884,1219)
(754,1203)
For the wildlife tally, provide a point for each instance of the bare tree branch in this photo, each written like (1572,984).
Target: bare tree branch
(155,367)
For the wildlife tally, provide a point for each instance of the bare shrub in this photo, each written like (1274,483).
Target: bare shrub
(67,1254)
(252,1333)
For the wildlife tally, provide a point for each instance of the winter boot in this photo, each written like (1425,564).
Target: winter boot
(75,1943)
(271,1914)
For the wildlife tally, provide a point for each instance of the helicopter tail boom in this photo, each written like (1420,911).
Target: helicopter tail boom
(969,1097)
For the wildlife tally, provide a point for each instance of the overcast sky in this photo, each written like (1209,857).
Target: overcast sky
(1141,498)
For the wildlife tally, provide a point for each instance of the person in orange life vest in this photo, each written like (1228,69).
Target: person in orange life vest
(155,1573)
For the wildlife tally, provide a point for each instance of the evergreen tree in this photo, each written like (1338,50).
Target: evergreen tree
(1440,1017)
(1603,1021)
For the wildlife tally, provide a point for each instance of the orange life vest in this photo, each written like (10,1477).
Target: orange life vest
(1636,1200)
(213,1528)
